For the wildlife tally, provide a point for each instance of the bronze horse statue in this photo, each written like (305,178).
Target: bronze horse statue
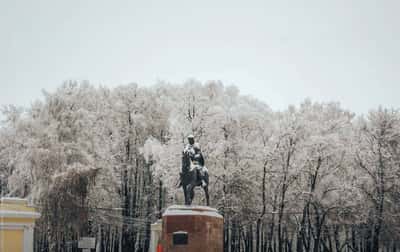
(190,178)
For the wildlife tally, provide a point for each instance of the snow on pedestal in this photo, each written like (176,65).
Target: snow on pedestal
(192,228)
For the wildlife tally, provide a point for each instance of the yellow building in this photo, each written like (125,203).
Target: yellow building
(17,220)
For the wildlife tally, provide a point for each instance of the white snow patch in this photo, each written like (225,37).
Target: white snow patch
(18,214)
(192,210)
(10,200)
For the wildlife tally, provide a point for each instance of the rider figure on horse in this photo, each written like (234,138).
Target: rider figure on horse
(197,159)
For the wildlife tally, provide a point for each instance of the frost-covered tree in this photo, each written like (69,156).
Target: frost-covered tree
(377,158)
(106,162)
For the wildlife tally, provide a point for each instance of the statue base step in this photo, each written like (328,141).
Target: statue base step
(191,229)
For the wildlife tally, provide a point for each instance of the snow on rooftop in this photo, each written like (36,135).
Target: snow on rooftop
(18,214)
(10,200)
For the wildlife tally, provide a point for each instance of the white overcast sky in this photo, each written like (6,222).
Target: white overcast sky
(276,50)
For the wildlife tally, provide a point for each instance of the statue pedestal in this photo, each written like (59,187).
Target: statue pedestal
(192,229)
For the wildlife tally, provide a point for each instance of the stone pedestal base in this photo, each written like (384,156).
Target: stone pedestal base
(192,229)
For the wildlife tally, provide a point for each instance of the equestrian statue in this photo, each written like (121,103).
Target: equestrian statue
(194,172)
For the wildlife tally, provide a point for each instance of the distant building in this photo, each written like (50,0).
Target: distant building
(17,221)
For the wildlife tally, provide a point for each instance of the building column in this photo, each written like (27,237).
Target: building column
(28,238)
